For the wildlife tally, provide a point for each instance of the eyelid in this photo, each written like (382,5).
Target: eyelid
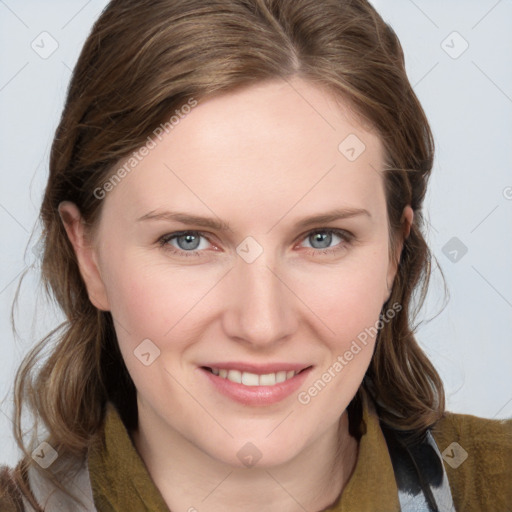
(343,233)
(346,236)
(176,234)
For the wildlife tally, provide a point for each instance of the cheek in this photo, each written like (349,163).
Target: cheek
(347,297)
(349,303)
(154,297)
(152,303)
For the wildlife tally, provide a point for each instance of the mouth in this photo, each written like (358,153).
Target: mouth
(254,379)
(255,386)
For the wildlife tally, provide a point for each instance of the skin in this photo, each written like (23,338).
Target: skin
(260,158)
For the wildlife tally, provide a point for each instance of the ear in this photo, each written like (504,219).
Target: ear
(85,254)
(406,222)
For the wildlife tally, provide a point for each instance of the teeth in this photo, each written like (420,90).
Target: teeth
(280,377)
(250,379)
(253,379)
(268,379)
(235,376)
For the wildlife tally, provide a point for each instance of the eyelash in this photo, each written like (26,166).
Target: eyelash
(347,238)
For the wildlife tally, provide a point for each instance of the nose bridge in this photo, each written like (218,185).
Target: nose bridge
(261,309)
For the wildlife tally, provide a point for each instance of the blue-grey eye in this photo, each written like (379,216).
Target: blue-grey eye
(188,241)
(322,238)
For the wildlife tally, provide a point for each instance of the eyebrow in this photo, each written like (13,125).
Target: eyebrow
(220,225)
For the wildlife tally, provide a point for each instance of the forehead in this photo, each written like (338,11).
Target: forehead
(259,150)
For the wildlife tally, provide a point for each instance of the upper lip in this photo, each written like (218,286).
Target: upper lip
(259,369)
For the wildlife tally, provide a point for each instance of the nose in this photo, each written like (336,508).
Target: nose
(261,309)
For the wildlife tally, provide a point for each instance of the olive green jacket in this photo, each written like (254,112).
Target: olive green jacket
(477,455)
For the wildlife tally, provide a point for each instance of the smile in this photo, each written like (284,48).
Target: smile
(253,379)
(270,385)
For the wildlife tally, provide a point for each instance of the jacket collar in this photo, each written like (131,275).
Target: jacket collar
(118,475)
(120,479)
(372,485)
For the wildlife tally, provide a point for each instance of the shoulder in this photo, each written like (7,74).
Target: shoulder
(10,493)
(477,454)
(19,487)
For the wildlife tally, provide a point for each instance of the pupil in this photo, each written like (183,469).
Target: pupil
(323,238)
(190,241)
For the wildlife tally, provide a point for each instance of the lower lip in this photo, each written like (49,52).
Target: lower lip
(257,395)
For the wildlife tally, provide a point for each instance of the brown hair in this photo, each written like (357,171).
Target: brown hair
(143,60)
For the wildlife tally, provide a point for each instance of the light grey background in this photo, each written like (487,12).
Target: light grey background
(468,99)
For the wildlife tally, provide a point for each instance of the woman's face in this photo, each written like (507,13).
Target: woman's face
(253,285)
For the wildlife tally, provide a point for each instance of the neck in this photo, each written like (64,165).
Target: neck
(190,479)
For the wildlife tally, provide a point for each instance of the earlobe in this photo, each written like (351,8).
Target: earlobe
(406,222)
(85,254)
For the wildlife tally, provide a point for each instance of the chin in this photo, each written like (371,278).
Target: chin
(259,453)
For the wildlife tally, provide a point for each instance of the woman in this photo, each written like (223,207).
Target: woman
(233,229)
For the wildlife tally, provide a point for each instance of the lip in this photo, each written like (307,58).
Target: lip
(257,395)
